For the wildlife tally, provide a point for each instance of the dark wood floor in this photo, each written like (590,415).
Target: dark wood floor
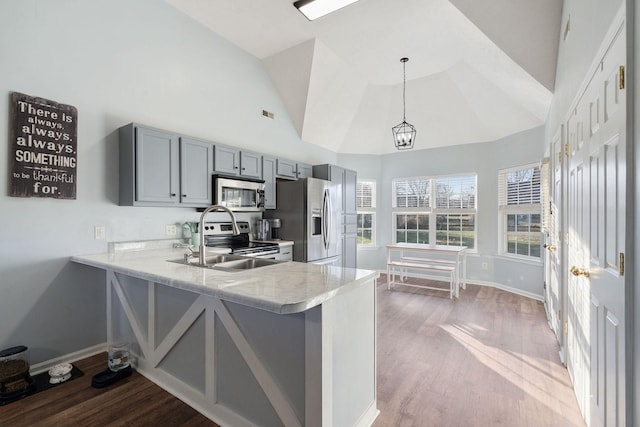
(134,401)
(487,359)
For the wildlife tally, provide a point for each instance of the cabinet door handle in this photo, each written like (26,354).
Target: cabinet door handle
(244,169)
(235,167)
(173,194)
(184,195)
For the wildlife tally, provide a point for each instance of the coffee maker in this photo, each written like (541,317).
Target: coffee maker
(268,229)
(274,225)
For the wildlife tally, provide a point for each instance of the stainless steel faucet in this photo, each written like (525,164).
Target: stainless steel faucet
(213,208)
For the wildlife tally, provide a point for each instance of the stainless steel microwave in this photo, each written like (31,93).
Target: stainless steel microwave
(238,194)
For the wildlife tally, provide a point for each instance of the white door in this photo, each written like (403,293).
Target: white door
(596,231)
(553,240)
(607,241)
(577,255)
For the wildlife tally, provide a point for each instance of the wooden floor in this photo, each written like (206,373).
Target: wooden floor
(487,359)
(134,401)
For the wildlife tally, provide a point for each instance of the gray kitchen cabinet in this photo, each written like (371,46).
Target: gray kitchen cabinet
(349,251)
(226,160)
(149,166)
(196,167)
(250,164)
(159,168)
(304,170)
(286,169)
(269,177)
(345,180)
(293,170)
(349,182)
(232,161)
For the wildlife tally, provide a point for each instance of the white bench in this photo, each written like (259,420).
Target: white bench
(439,261)
(440,266)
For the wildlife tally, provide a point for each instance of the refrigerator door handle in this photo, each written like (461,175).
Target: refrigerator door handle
(329,218)
(325,220)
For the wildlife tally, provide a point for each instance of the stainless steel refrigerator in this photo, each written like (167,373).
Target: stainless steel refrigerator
(308,209)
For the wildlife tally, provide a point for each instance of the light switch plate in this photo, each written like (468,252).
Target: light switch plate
(170,230)
(99,232)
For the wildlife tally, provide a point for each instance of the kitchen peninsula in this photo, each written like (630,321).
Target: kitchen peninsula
(288,344)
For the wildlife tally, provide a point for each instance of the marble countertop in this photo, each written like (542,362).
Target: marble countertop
(288,287)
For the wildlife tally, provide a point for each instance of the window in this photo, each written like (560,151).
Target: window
(450,222)
(520,211)
(366,206)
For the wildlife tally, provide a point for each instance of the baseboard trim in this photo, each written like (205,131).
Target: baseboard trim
(500,286)
(369,416)
(69,358)
(516,291)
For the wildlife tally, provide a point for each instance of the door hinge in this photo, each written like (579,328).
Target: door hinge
(566,327)
(566,149)
(621,264)
(621,77)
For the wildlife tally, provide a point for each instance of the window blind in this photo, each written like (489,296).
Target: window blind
(519,187)
(412,193)
(545,197)
(366,195)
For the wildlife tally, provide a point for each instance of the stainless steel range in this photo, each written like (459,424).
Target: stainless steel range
(220,234)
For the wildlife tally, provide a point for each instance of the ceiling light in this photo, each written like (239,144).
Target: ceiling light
(404,134)
(314,9)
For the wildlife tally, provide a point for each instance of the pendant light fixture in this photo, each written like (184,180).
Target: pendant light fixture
(404,134)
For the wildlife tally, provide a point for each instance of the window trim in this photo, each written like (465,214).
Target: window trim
(504,209)
(368,211)
(373,230)
(434,211)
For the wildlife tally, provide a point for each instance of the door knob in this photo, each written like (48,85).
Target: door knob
(579,271)
(550,247)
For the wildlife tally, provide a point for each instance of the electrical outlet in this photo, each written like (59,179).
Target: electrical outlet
(485,265)
(99,232)
(170,230)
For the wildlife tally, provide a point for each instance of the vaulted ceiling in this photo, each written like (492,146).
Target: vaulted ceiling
(477,71)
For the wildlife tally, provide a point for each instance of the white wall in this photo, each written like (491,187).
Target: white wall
(117,61)
(483,159)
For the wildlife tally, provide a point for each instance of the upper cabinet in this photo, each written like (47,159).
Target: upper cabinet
(226,160)
(304,170)
(251,164)
(163,168)
(232,161)
(349,192)
(196,167)
(269,176)
(158,168)
(286,169)
(292,170)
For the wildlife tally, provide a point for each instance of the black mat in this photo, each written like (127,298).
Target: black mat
(40,383)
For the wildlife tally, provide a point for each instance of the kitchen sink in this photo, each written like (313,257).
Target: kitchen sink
(226,262)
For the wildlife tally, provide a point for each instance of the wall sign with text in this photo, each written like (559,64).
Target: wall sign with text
(43,136)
